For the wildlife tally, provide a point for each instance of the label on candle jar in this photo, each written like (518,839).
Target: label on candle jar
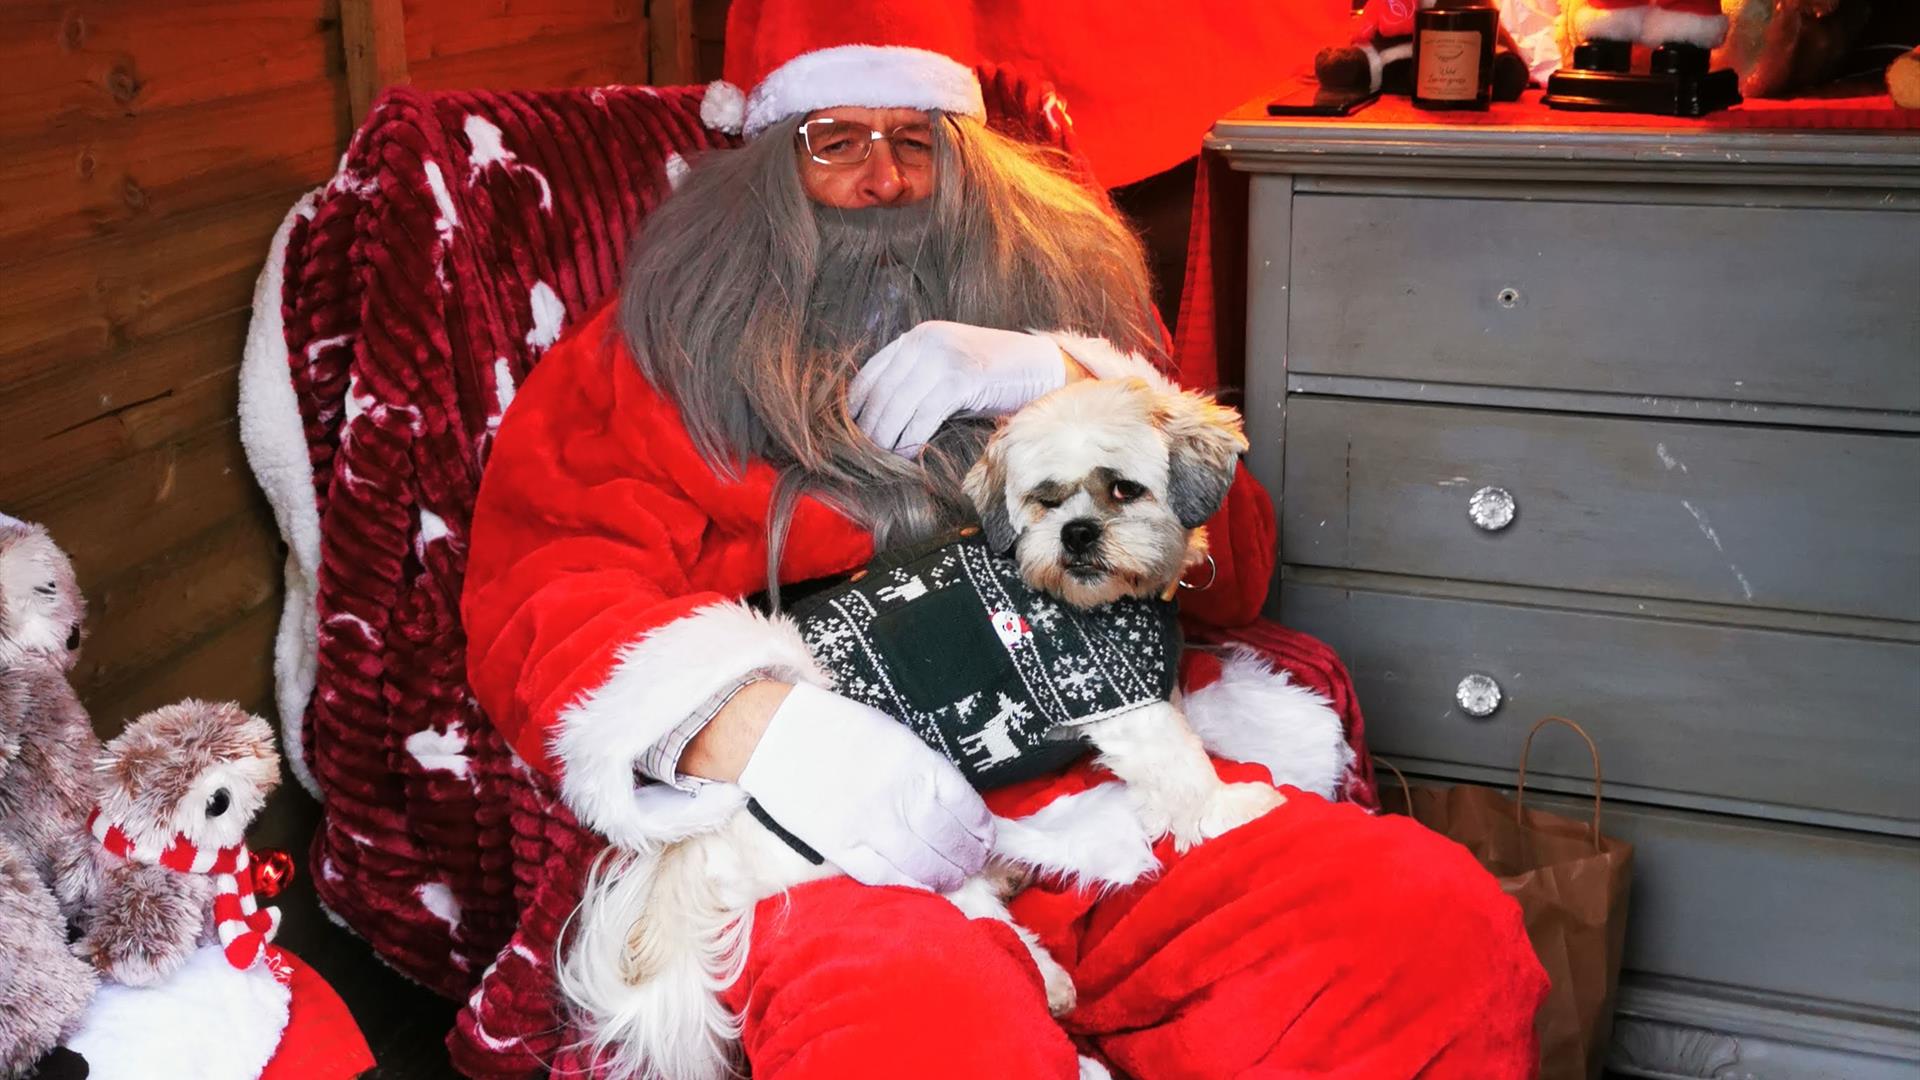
(1449,65)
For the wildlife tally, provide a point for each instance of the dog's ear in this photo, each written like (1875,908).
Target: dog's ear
(1204,444)
(986,485)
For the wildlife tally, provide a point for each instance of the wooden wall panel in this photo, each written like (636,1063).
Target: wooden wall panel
(525,44)
(709,39)
(147,153)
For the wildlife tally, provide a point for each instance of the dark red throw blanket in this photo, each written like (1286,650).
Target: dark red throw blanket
(463,233)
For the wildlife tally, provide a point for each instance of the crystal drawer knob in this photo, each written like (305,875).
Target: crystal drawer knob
(1491,509)
(1478,695)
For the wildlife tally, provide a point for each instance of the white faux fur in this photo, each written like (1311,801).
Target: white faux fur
(1664,27)
(1093,838)
(1255,714)
(1104,360)
(724,108)
(207,1022)
(1093,1070)
(868,76)
(658,682)
(276,446)
(1608,24)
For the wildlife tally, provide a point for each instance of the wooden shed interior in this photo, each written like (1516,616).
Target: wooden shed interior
(149,149)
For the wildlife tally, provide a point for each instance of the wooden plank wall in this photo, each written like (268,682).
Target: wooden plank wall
(147,153)
(709,38)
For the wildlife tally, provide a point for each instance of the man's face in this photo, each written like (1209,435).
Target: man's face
(894,171)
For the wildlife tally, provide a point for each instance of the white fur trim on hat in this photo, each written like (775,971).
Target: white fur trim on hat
(659,681)
(868,76)
(724,108)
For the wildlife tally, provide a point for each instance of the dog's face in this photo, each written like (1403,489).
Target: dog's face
(1098,488)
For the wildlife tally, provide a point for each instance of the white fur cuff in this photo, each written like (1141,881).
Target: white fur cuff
(658,682)
(1104,360)
(1255,714)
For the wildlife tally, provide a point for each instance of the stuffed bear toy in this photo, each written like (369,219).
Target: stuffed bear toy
(48,874)
(179,930)
(1380,57)
(176,791)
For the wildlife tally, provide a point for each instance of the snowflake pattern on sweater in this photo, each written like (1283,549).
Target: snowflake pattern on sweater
(994,674)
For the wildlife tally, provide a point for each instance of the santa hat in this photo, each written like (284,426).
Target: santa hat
(788,58)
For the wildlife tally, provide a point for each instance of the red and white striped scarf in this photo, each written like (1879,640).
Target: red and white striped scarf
(244,927)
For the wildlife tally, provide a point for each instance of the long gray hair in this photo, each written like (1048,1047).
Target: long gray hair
(752,307)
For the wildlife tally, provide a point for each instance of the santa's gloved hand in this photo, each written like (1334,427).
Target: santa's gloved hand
(867,794)
(937,369)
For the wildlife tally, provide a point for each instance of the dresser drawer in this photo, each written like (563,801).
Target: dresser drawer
(1815,721)
(1816,521)
(1803,306)
(1808,912)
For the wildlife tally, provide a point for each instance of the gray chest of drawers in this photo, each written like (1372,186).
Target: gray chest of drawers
(1626,425)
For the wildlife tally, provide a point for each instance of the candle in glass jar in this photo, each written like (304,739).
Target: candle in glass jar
(1453,54)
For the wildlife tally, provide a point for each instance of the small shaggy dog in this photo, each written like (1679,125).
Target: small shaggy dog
(1091,501)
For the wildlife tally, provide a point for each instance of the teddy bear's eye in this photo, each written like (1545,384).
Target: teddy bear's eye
(73,639)
(48,589)
(218,802)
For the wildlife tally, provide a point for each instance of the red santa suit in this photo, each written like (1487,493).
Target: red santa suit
(601,604)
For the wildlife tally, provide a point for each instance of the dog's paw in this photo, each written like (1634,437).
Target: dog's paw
(1233,805)
(1062,995)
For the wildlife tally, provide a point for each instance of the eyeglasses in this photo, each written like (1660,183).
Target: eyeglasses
(846,142)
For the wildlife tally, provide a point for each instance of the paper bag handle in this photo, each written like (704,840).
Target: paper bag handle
(1526,750)
(1400,776)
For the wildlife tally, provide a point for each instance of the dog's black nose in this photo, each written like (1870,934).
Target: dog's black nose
(1079,535)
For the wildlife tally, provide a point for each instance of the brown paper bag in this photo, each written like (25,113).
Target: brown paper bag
(1571,882)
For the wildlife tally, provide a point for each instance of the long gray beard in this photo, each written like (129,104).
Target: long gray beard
(876,277)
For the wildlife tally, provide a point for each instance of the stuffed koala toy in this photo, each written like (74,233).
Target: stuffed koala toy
(44,988)
(176,791)
(47,745)
(48,874)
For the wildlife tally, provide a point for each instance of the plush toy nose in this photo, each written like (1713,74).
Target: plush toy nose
(1079,535)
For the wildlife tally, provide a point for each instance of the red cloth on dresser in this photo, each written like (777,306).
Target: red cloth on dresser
(1838,108)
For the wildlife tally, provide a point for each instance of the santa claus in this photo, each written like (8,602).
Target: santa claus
(815,334)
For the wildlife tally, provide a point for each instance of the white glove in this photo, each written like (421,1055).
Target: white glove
(911,386)
(867,794)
